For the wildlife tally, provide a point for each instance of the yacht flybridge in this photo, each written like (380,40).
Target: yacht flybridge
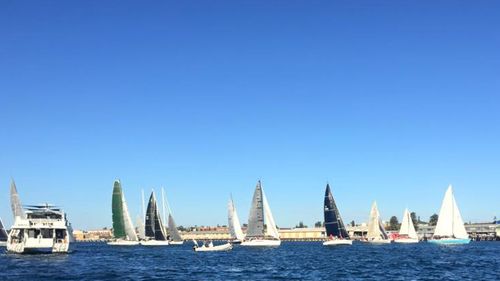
(37,228)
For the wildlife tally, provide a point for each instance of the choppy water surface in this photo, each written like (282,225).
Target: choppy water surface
(291,261)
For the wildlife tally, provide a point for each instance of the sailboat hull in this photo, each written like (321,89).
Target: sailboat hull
(176,242)
(406,240)
(154,243)
(450,241)
(261,243)
(3,243)
(123,243)
(337,242)
(378,241)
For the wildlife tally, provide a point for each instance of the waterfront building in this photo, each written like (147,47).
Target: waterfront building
(92,235)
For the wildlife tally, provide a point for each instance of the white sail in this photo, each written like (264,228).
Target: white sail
(129,227)
(458,224)
(375,228)
(271,225)
(234,222)
(450,223)
(407,228)
(140,228)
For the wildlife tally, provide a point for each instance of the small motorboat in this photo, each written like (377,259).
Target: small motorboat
(209,247)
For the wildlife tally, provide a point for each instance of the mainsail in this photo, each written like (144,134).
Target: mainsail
(333,222)
(154,225)
(234,222)
(3,233)
(407,228)
(172,229)
(450,223)
(122,224)
(256,216)
(375,228)
(15,202)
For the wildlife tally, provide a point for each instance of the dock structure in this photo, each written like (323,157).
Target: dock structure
(286,234)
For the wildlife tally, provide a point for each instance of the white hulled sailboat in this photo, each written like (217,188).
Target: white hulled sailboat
(376,232)
(407,233)
(257,235)
(335,228)
(154,229)
(450,227)
(123,229)
(235,231)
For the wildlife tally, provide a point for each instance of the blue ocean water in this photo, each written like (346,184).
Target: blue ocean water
(291,261)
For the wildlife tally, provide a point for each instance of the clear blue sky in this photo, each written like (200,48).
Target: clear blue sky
(387,100)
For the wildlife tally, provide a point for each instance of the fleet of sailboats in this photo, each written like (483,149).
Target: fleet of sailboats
(407,233)
(260,234)
(334,226)
(261,231)
(450,227)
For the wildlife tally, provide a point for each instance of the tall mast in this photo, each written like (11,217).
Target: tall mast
(163,204)
(143,210)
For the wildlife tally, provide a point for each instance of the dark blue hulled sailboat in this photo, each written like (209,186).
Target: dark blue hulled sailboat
(335,229)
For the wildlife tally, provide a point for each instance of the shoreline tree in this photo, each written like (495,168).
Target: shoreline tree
(433,219)
(393,223)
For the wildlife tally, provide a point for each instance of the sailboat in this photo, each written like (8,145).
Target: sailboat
(175,236)
(3,235)
(376,232)
(335,229)
(123,230)
(257,235)
(234,223)
(407,233)
(173,233)
(450,227)
(154,230)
